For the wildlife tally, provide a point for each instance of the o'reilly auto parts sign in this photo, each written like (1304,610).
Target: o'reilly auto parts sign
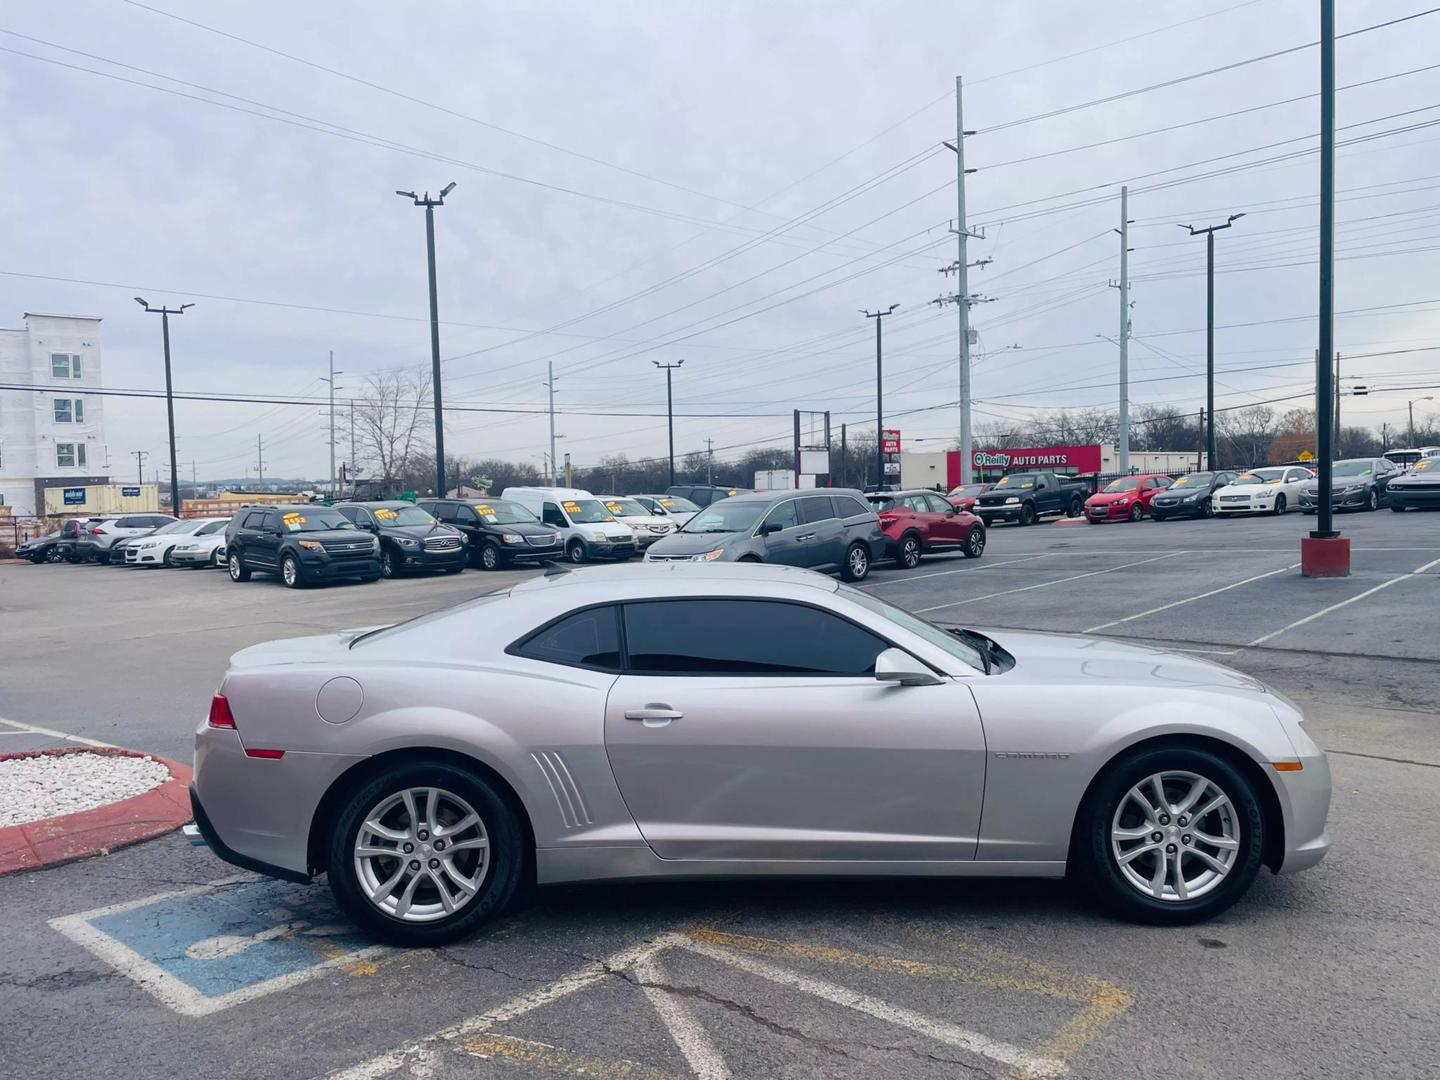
(1080,459)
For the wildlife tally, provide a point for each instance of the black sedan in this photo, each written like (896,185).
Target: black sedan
(410,538)
(1192,495)
(1355,484)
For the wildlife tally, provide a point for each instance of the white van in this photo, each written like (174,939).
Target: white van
(1406,459)
(587,529)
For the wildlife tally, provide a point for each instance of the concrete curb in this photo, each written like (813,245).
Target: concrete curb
(35,845)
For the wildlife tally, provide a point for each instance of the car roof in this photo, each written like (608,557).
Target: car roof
(665,577)
(376,504)
(787,493)
(896,494)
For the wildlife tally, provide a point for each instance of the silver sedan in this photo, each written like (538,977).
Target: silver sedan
(705,721)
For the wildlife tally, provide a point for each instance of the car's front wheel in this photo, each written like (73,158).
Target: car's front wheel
(1137,512)
(575,551)
(490,557)
(1170,836)
(425,853)
(290,572)
(974,543)
(238,570)
(1279,505)
(389,564)
(907,556)
(1027,514)
(857,563)
(1372,502)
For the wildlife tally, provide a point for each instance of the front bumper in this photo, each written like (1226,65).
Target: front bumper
(192,558)
(144,556)
(1164,510)
(433,560)
(1109,512)
(1353,500)
(988,514)
(323,568)
(1249,506)
(611,549)
(1416,497)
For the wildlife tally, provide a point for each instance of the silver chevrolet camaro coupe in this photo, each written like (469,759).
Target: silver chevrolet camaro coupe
(708,721)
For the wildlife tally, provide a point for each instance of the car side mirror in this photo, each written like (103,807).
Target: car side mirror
(898,666)
(770,527)
(953,510)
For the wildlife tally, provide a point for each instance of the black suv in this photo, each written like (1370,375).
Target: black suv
(301,544)
(498,532)
(701,494)
(410,538)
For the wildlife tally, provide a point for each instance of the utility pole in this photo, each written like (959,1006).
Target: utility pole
(962,234)
(1124,287)
(550,385)
(844,460)
(429,204)
(331,382)
(351,470)
(165,314)
(879,317)
(1384,436)
(709,462)
(1337,402)
(141,455)
(796,449)
(1210,232)
(1324,524)
(670,410)
(1200,450)
(194,484)
(260,456)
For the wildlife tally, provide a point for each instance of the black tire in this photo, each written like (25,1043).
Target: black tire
(508,853)
(1075,509)
(1279,504)
(856,566)
(218,559)
(750,559)
(1137,512)
(1372,503)
(1399,508)
(291,576)
(1207,508)
(974,543)
(575,551)
(491,559)
(1027,514)
(54,555)
(238,570)
(389,564)
(165,560)
(1093,861)
(907,554)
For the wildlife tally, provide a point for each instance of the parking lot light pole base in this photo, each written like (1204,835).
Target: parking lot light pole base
(1323,555)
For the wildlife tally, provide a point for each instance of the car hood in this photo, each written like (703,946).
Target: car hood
(645,520)
(1105,498)
(1063,658)
(1248,489)
(416,532)
(1337,483)
(1415,479)
(1176,494)
(682,543)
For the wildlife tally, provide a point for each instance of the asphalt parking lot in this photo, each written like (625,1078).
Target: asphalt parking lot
(160,960)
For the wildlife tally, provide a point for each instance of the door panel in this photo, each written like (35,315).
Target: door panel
(826,546)
(798,767)
(786,546)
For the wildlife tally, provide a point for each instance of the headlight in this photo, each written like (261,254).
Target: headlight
(312,545)
(512,538)
(598,536)
(1191,497)
(1013,500)
(186,547)
(374,543)
(405,541)
(709,556)
(1353,489)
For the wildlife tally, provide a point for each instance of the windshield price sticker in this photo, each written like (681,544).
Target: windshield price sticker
(614,508)
(1421,466)
(293,521)
(485,508)
(572,508)
(386,514)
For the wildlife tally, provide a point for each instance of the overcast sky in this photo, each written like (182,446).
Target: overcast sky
(688,139)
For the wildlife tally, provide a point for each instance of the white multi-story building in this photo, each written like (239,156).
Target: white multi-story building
(52,433)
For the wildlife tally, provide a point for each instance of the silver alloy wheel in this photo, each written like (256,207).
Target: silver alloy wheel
(388,568)
(421,854)
(909,553)
(859,562)
(289,572)
(217,560)
(490,557)
(235,567)
(976,545)
(1175,836)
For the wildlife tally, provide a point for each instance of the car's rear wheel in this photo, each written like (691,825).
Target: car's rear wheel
(218,559)
(1027,514)
(290,573)
(490,557)
(238,570)
(1279,504)
(425,853)
(1171,835)
(857,563)
(907,555)
(1137,512)
(974,543)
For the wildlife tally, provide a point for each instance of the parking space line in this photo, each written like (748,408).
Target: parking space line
(1344,603)
(539,1055)
(31,729)
(1187,600)
(968,568)
(1047,584)
(696,1047)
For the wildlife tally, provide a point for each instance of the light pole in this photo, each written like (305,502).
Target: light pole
(1410,408)
(879,317)
(165,314)
(331,382)
(669,410)
(1210,232)
(429,204)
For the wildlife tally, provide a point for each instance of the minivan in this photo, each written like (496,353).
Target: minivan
(587,529)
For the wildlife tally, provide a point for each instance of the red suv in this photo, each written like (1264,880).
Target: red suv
(1125,499)
(918,523)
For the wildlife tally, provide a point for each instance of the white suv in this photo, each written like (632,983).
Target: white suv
(100,535)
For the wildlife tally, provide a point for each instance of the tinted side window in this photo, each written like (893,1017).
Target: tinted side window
(351,513)
(270,520)
(213,527)
(849,506)
(254,520)
(745,637)
(817,508)
(786,515)
(463,515)
(585,639)
(552,516)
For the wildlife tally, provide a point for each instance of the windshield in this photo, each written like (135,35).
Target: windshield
(1018,480)
(935,635)
(1421,466)
(586,511)
(402,515)
(882,503)
(677,505)
(969,491)
(1362,467)
(625,508)
(178,527)
(1403,457)
(1194,479)
(1126,483)
(317,520)
(726,517)
(1261,476)
(503,512)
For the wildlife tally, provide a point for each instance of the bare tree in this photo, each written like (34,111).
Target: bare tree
(391,418)
(1247,436)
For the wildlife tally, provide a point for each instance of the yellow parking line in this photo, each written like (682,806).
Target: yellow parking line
(540,1055)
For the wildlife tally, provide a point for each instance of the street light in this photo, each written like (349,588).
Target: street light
(879,317)
(1410,408)
(1210,231)
(165,314)
(429,204)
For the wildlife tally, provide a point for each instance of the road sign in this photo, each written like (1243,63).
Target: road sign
(1305,455)
(890,441)
(75,496)
(892,468)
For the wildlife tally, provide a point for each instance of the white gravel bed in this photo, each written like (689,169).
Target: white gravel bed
(33,788)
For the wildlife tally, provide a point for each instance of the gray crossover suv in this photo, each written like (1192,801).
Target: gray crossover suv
(834,529)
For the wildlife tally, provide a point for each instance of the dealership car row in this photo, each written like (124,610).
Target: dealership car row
(829,529)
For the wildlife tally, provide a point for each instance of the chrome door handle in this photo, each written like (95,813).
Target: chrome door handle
(805,536)
(654,714)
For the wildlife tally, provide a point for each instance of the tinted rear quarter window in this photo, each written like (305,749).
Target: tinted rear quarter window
(745,637)
(849,506)
(586,638)
(817,508)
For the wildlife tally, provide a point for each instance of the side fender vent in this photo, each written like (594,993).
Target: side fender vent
(571,802)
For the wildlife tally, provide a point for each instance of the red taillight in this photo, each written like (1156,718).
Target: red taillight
(889,515)
(273,755)
(220,712)
(97,531)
